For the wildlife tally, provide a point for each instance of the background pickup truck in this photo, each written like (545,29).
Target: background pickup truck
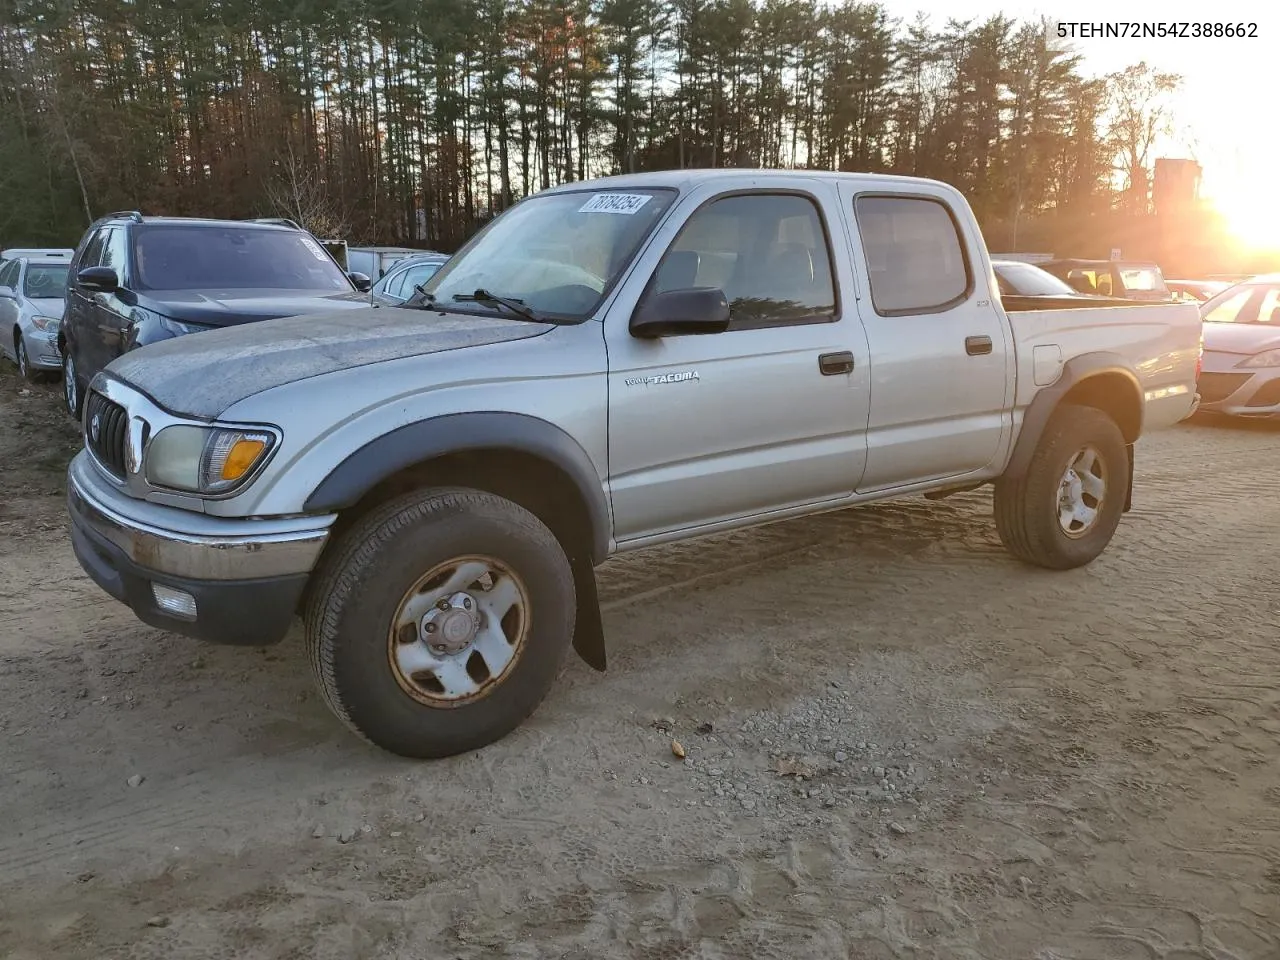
(607,365)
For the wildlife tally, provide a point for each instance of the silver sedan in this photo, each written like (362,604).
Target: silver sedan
(32,291)
(1241,372)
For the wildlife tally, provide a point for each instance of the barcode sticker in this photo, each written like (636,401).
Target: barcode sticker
(623,203)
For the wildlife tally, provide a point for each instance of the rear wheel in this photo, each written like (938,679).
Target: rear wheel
(440,621)
(1064,511)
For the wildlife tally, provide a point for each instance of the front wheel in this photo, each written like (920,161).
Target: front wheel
(440,621)
(1065,509)
(72,389)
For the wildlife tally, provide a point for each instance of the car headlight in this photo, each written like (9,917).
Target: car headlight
(1268,358)
(48,324)
(176,328)
(205,459)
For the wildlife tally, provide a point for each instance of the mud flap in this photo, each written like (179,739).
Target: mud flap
(1128,495)
(588,631)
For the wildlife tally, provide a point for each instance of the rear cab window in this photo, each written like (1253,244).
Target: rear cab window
(1143,279)
(915,256)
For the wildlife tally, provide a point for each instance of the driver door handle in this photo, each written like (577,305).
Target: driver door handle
(834,364)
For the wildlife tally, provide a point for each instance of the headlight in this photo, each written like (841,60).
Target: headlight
(49,324)
(205,459)
(1269,358)
(177,329)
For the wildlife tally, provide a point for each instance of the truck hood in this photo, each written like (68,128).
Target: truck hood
(1240,338)
(202,375)
(223,308)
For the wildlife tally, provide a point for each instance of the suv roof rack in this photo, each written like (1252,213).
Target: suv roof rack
(133,215)
(280,221)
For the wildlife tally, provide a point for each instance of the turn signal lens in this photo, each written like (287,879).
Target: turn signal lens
(241,457)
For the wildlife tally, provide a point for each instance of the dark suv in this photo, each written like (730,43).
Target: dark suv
(135,280)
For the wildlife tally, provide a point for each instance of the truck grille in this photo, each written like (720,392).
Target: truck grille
(1218,386)
(106,430)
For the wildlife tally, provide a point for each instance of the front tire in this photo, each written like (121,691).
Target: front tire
(72,388)
(1063,512)
(439,621)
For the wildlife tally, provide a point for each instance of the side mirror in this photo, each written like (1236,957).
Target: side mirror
(681,312)
(98,280)
(6,293)
(361,280)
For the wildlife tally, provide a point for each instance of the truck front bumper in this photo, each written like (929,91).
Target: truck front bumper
(223,581)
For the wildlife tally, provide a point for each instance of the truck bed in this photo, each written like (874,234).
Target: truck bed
(1159,343)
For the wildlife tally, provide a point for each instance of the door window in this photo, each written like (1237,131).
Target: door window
(916,261)
(768,253)
(115,251)
(93,252)
(402,286)
(9,274)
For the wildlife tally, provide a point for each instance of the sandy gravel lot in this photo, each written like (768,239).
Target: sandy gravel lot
(901,744)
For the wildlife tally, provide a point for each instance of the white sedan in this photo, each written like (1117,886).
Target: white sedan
(32,291)
(1241,374)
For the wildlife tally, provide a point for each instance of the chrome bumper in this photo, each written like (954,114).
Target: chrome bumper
(180,543)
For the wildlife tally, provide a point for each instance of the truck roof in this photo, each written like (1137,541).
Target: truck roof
(1082,262)
(688,177)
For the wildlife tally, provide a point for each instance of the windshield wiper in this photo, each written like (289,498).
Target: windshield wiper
(515,306)
(420,299)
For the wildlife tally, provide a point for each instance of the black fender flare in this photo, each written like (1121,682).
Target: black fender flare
(1074,372)
(424,440)
(415,443)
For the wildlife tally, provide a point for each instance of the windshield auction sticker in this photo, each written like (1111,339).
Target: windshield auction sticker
(624,203)
(315,248)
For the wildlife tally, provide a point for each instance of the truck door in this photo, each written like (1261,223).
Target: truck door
(941,349)
(765,416)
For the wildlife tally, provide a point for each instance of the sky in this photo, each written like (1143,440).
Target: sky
(1227,103)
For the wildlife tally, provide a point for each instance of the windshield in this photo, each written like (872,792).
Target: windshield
(557,253)
(1254,303)
(206,257)
(1024,280)
(45,281)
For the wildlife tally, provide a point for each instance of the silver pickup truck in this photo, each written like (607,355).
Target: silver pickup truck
(608,365)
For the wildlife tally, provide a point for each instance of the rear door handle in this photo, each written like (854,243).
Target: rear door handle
(977,346)
(834,364)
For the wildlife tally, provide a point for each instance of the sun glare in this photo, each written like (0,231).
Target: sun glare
(1252,216)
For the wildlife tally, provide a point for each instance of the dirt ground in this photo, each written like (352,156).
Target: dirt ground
(901,744)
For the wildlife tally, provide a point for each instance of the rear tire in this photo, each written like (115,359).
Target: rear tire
(398,658)
(1063,512)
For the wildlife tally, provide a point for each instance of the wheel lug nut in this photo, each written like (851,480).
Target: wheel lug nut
(430,628)
(443,604)
(467,603)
